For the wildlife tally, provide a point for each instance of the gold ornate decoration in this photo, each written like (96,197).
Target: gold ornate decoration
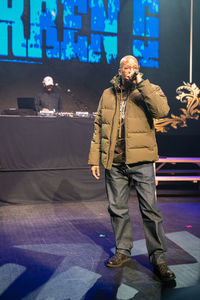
(189,94)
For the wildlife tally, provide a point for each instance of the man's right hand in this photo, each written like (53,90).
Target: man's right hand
(95,172)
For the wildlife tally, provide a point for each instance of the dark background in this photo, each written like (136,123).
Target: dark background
(87,81)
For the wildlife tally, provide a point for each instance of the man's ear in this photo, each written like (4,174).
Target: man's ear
(119,72)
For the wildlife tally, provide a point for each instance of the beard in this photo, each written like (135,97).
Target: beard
(127,83)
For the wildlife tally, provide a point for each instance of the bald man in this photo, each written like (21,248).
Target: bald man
(124,142)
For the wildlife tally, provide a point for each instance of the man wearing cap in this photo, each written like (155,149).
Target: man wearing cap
(124,142)
(48,99)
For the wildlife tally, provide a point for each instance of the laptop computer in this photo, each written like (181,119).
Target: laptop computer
(26,103)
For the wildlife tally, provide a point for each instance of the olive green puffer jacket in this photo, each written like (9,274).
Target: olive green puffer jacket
(144,103)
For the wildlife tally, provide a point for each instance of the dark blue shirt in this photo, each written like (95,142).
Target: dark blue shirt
(50,100)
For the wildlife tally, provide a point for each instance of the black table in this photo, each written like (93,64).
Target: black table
(45,159)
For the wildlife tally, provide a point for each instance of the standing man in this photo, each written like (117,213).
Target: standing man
(124,141)
(48,99)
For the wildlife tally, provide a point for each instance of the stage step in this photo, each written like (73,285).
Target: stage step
(179,160)
(178,178)
(173,171)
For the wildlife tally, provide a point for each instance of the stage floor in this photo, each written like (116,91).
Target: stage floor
(58,252)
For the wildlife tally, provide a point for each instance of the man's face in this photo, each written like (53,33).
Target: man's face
(48,87)
(127,68)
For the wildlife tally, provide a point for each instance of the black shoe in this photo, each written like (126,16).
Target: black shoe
(163,272)
(117,260)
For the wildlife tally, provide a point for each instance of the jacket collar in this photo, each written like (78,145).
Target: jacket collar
(116,83)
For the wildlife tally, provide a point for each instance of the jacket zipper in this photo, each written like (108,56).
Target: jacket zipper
(112,130)
(125,131)
(126,126)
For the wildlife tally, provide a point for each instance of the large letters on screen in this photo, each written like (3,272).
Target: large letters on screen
(82,30)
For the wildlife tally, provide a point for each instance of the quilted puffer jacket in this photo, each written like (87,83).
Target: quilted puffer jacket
(145,102)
